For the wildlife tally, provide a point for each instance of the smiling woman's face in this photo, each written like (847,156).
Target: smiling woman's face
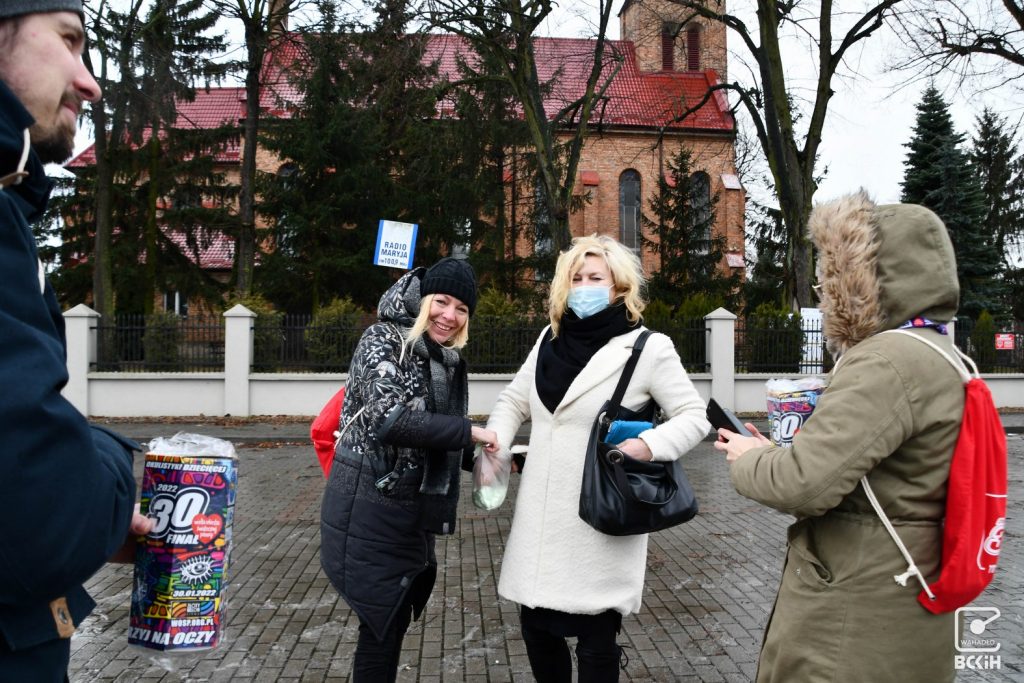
(448,315)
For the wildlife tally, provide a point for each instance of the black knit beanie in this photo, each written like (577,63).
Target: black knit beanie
(16,8)
(454,277)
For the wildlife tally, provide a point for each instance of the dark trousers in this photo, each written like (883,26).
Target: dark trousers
(376,661)
(597,653)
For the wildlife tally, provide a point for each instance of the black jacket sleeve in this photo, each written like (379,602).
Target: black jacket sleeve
(67,488)
(421,429)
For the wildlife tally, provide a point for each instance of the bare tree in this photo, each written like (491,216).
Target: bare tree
(264,23)
(790,134)
(503,31)
(963,39)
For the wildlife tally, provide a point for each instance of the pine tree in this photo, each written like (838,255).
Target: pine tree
(1001,171)
(178,190)
(367,143)
(940,176)
(691,254)
(158,174)
(766,283)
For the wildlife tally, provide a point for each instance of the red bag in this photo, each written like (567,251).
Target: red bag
(975,505)
(972,532)
(325,429)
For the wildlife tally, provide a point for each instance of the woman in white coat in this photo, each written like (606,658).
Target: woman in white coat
(570,579)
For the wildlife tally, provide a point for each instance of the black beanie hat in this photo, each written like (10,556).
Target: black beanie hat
(454,277)
(17,8)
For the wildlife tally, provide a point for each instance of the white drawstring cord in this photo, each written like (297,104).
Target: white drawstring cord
(25,147)
(912,569)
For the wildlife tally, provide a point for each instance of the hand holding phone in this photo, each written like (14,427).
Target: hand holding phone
(720,417)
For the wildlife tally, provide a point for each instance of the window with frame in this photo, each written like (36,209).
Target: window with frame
(693,49)
(176,302)
(700,203)
(463,243)
(542,242)
(284,237)
(668,45)
(629,209)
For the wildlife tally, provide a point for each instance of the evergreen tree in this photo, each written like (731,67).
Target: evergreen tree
(367,142)
(488,121)
(766,283)
(1001,171)
(157,190)
(691,254)
(178,191)
(939,175)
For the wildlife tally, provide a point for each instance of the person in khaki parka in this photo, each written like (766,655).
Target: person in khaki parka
(892,412)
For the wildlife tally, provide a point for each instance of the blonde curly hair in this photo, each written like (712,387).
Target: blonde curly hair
(625,267)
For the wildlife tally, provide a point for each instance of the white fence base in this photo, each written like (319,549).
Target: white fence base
(241,394)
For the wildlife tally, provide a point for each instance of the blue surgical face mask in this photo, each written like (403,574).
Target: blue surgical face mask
(586,300)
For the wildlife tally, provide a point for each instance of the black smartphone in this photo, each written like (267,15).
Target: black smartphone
(723,417)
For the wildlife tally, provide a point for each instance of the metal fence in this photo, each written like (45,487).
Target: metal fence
(690,336)
(297,343)
(160,343)
(783,345)
(996,347)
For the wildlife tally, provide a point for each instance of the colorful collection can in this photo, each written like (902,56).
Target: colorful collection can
(181,565)
(790,404)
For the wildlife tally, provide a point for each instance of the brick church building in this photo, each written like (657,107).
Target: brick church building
(668,65)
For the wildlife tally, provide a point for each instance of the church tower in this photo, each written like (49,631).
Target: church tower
(670,38)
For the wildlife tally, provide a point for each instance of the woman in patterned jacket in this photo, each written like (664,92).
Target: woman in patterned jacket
(394,483)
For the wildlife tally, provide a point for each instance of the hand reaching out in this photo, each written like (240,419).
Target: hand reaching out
(735,445)
(485,437)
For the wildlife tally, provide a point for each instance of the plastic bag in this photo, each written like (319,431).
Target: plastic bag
(185,443)
(491,473)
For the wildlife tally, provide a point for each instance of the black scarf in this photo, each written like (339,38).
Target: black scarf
(561,359)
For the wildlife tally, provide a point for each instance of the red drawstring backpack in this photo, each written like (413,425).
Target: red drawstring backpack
(972,532)
(325,431)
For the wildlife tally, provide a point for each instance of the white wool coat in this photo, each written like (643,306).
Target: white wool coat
(553,559)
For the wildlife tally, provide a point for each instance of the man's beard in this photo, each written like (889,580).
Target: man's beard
(54,146)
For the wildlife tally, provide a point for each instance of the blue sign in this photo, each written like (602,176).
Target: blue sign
(396,244)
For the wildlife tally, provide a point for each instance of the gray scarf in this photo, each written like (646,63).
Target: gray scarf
(441,469)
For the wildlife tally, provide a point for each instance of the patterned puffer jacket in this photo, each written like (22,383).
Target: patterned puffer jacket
(394,482)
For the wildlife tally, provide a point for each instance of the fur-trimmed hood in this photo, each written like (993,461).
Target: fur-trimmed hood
(879,266)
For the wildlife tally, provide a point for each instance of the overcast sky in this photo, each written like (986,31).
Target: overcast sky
(870,117)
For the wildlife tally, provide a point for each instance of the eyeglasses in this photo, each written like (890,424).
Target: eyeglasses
(816,288)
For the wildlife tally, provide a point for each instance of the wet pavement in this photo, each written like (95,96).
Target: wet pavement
(709,588)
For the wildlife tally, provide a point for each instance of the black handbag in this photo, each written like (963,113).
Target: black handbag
(622,496)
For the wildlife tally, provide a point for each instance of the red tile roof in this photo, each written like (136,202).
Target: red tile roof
(217,253)
(634,99)
(210,109)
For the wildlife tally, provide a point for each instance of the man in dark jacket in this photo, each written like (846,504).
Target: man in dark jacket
(66,487)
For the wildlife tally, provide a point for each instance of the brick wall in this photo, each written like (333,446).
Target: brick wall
(603,160)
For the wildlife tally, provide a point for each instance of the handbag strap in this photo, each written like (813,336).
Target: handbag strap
(627,374)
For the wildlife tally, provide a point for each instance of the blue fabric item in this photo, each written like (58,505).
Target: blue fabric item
(587,300)
(620,430)
(66,486)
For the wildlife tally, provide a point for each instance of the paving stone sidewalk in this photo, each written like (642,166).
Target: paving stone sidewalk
(710,585)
